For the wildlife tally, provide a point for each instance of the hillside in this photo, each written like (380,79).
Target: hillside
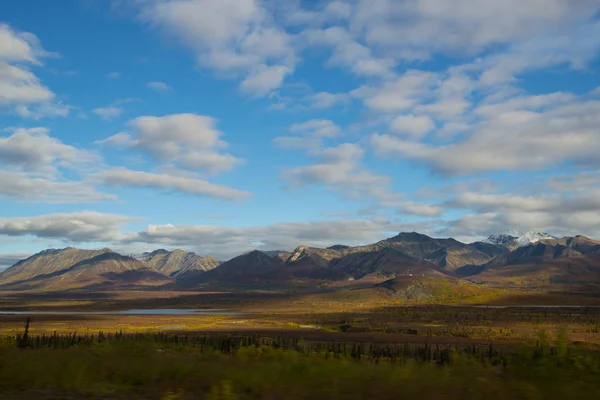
(384,264)
(448,254)
(46,264)
(568,260)
(178,262)
(254,266)
(106,270)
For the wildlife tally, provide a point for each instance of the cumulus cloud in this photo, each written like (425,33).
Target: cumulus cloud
(21,91)
(402,93)
(530,140)
(122,177)
(191,139)
(349,53)
(34,150)
(33,161)
(411,125)
(340,169)
(416,29)
(236,37)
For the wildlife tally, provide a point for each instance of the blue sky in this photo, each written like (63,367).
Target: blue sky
(220,126)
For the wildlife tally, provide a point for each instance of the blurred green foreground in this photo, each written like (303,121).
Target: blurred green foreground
(143,368)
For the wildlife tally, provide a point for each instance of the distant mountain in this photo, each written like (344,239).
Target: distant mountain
(532,237)
(178,262)
(254,266)
(504,239)
(104,270)
(568,260)
(313,263)
(449,254)
(385,264)
(513,239)
(277,253)
(46,263)
(499,260)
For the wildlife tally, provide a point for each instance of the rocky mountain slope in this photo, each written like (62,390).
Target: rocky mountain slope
(104,270)
(568,260)
(47,263)
(250,267)
(178,262)
(551,260)
(515,239)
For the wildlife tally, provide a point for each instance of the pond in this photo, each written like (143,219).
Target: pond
(535,306)
(156,311)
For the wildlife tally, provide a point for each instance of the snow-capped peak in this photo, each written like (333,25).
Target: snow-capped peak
(504,238)
(513,237)
(532,237)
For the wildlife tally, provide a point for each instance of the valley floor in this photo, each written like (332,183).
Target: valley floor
(317,321)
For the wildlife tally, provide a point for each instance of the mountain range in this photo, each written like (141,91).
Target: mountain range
(528,259)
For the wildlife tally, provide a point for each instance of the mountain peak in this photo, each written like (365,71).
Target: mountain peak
(532,237)
(513,238)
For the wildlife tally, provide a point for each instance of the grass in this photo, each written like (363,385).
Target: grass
(147,370)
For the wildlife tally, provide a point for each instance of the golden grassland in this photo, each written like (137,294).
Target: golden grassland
(452,316)
(457,316)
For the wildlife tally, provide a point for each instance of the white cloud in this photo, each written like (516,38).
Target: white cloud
(113,75)
(32,164)
(121,139)
(122,177)
(317,128)
(327,100)
(236,37)
(43,110)
(159,86)
(84,226)
(411,125)
(26,188)
(20,88)
(347,52)
(416,29)
(339,168)
(510,139)
(35,150)
(108,113)
(191,139)
(399,94)
(264,79)
(20,46)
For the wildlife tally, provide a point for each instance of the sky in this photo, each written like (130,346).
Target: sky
(221,126)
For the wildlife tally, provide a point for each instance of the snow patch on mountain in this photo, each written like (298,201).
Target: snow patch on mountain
(503,238)
(532,237)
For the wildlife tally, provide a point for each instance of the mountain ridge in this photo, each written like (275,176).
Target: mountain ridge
(408,253)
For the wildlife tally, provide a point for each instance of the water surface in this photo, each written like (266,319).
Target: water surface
(156,311)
